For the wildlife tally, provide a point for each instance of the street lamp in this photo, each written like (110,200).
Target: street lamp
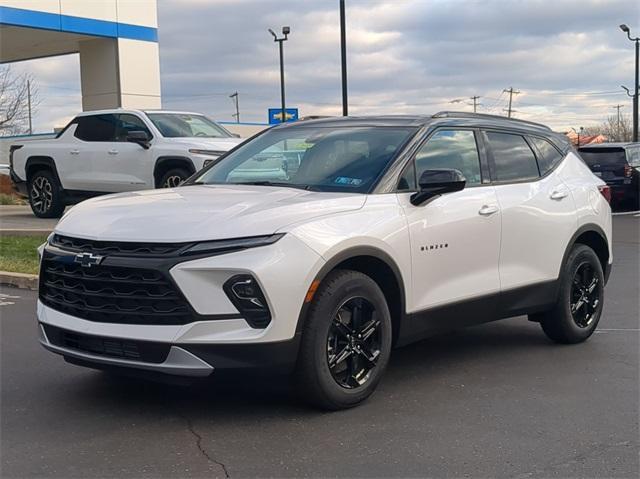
(577,132)
(636,87)
(285,34)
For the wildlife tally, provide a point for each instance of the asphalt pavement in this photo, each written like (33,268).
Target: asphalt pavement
(497,400)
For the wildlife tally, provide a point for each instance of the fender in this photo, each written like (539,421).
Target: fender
(41,161)
(586,228)
(354,252)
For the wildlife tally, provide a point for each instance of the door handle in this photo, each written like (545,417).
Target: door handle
(488,210)
(74,152)
(558,194)
(113,152)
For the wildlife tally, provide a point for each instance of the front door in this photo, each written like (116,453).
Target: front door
(455,238)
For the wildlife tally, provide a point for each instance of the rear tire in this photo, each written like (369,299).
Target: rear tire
(174,177)
(578,308)
(45,195)
(346,342)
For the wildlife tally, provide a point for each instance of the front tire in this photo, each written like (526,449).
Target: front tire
(174,177)
(577,311)
(346,342)
(45,195)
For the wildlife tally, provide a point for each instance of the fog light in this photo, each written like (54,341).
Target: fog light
(245,294)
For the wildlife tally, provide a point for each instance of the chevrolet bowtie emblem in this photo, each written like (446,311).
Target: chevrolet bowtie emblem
(88,259)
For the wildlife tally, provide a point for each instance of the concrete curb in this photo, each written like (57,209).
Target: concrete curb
(19,280)
(24,232)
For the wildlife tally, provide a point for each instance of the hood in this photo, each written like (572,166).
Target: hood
(220,144)
(200,212)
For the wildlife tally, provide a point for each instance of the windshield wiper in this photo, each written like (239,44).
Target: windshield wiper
(277,183)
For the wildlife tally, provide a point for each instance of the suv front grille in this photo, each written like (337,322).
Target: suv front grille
(145,351)
(112,294)
(117,247)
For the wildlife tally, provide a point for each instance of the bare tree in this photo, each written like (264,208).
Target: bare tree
(614,128)
(18,101)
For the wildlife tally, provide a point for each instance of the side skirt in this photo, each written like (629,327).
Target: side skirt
(530,299)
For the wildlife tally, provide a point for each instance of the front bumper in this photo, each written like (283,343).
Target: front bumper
(189,360)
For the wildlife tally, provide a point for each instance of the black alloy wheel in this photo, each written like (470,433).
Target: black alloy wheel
(585,295)
(353,343)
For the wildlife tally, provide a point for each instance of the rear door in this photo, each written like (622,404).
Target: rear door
(538,212)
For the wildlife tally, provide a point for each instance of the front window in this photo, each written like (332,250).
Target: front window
(185,125)
(315,158)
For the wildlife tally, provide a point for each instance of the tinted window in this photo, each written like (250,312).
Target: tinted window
(514,160)
(129,123)
(455,149)
(604,156)
(549,155)
(316,158)
(96,128)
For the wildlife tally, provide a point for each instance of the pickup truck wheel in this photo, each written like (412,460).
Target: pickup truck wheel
(575,316)
(173,178)
(346,342)
(45,195)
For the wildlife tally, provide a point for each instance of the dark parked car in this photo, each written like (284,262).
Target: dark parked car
(618,164)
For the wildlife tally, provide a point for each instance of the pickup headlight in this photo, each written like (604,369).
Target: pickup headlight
(207,152)
(231,245)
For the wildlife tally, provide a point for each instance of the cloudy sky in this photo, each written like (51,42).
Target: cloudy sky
(567,58)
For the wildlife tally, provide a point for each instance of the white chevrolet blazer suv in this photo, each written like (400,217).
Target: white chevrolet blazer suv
(318,246)
(112,151)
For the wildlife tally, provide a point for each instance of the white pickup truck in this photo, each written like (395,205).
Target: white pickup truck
(112,151)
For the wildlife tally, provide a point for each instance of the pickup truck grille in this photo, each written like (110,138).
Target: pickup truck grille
(113,294)
(117,247)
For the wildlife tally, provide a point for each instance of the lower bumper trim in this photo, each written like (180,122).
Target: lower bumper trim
(179,362)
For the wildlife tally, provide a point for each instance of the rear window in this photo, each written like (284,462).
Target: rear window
(604,156)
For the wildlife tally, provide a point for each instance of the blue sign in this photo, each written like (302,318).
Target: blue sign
(275,115)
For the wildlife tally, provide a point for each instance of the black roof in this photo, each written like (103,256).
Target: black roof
(443,117)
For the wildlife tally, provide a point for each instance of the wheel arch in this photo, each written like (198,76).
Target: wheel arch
(380,267)
(35,163)
(166,163)
(595,238)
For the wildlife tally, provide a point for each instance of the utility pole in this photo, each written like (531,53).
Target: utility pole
(237,115)
(29,106)
(636,86)
(617,107)
(511,92)
(475,102)
(343,52)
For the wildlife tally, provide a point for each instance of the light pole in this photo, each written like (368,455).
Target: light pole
(636,87)
(343,55)
(577,132)
(281,40)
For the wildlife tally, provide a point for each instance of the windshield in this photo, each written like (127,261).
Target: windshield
(604,156)
(184,125)
(315,158)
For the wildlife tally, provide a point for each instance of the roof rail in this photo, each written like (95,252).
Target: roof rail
(465,114)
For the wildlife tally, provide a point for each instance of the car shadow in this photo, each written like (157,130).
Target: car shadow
(228,394)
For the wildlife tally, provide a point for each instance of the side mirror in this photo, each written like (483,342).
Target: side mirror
(140,137)
(437,182)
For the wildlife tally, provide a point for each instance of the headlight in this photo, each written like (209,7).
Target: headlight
(207,152)
(230,245)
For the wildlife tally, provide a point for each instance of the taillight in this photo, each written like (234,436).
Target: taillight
(606,192)
(628,171)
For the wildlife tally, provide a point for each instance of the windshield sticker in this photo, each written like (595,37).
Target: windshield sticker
(345,180)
